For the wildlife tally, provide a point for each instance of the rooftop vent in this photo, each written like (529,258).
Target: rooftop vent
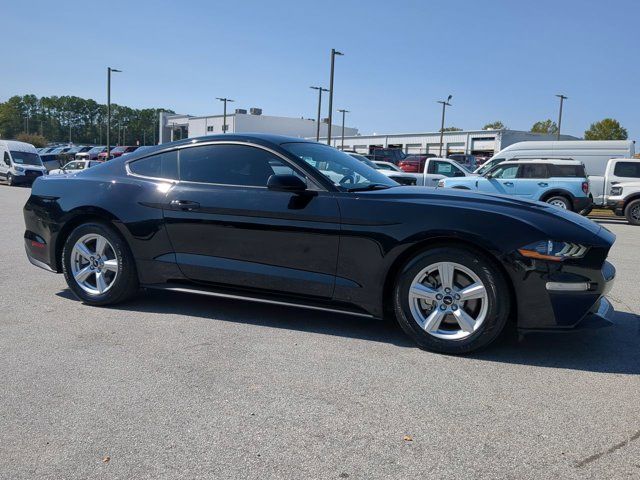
(255,111)
(241,110)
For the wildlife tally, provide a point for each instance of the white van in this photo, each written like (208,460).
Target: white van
(594,154)
(19,162)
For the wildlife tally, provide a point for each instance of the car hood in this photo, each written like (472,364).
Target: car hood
(535,214)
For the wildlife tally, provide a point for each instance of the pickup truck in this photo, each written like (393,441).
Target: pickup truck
(622,189)
(435,169)
(562,183)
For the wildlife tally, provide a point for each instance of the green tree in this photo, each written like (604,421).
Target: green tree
(497,125)
(451,129)
(547,126)
(607,129)
(37,141)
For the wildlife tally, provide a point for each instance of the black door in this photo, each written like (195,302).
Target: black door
(227,228)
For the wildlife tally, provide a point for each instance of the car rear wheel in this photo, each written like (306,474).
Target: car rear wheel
(632,212)
(451,300)
(560,202)
(98,266)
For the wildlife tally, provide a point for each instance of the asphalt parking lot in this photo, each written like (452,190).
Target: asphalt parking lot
(177,386)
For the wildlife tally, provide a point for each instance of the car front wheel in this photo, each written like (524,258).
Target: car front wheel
(98,266)
(451,300)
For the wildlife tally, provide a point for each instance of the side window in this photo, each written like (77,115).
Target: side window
(444,168)
(162,165)
(627,169)
(509,171)
(7,160)
(230,165)
(533,171)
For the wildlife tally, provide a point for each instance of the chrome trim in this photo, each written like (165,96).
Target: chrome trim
(255,299)
(288,162)
(568,286)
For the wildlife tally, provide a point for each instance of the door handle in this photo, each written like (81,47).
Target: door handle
(543,184)
(508,184)
(186,205)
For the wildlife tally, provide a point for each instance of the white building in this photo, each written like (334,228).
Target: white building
(475,142)
(176,126)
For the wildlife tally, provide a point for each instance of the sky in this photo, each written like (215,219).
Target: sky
(500,60)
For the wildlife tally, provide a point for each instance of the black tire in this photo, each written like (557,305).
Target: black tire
(126,281)
(496,287)
(562,199)
(10,180)
(632,212)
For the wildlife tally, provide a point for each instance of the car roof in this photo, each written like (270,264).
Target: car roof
(555,161)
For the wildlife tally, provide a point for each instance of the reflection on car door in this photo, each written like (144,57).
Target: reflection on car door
(501,181)
(532,179)
(227,228)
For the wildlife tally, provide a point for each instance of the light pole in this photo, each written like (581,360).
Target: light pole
(109,71)
(224,115)
(562,99)
(334,52)
(124,135)
(320,90)
(445,104)
(343,112)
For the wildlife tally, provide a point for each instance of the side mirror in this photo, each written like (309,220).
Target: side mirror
(458,173)
(488,176)
(286,183)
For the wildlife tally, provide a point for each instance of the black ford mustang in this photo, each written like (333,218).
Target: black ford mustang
(287,221)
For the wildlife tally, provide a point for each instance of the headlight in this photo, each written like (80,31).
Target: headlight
(441,184)
(20,169)
(616,191)
(552,250)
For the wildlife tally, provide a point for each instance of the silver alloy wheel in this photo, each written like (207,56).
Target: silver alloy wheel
(94,264)
(448,300)
(558,203)
(635,213)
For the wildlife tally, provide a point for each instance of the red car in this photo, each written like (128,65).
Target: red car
(117,151)
(414,163)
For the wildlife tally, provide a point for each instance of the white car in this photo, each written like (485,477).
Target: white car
(75,166)
(19,162)
(388,169)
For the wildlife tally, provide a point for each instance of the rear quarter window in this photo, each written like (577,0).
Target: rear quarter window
(162,165)
(627,169)
(576,171)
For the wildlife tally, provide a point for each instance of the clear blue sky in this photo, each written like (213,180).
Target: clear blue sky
(501,60)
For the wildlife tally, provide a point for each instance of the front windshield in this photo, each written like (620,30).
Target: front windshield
(119,149)
(339,167)
(365,160)
(96,150)
(26,158)
(489,165)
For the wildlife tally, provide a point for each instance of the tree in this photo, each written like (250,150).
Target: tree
(607,129)
(547,126)
(451,129)
(497,125)
(37,141)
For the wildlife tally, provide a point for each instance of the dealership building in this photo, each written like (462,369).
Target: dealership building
(176,126)
(476,142)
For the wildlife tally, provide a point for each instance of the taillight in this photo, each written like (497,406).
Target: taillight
(585,188)
(409,167)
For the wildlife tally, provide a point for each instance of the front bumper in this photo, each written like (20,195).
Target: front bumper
(28,176)
(617,205)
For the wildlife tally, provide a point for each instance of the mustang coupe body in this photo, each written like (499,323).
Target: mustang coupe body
(288,221)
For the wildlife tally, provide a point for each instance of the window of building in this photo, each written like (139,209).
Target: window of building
(210,128)
(162,165)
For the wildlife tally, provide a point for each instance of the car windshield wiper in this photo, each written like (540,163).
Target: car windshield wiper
(371,186)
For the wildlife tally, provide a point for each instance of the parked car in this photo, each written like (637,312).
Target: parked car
(139,149)
(393,155)
(91,154)
(72,152)
(75,166)
(254,217)
(414,163)
(50,161)
(561,183)
(435,169)
(393,173)
(20,162)
(622,184)
(116,152)
(594,154)
(467,161)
